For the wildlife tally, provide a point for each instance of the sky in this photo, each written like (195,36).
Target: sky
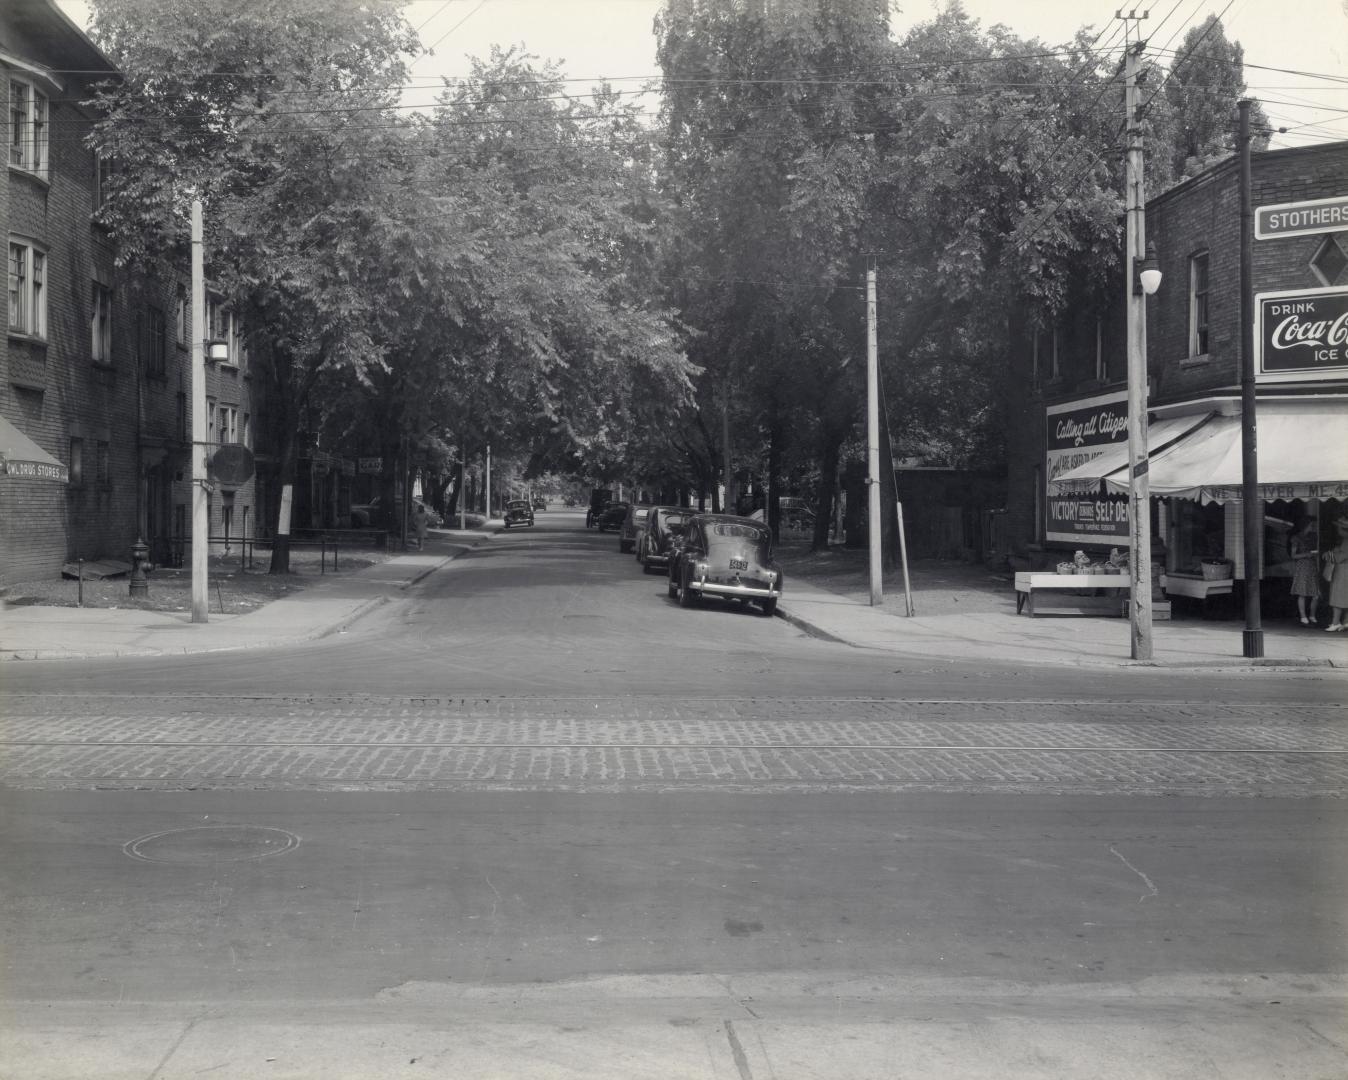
(614,39)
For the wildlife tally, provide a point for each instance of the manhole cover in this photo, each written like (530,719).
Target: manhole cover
(206,844)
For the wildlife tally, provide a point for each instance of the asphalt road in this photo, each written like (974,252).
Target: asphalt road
(536,821)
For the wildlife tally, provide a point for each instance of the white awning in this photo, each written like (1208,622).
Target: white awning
(21,457)
(1084,479)
(1302,446)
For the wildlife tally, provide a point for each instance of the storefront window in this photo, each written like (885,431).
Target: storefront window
(1196,533)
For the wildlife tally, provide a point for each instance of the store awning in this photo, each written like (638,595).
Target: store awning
(23,458)
(1085,479)
(1302,454)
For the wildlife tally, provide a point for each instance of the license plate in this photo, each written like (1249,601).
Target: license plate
(739,564)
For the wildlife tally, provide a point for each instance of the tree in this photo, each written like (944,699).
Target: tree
(1200,94)
(279,117)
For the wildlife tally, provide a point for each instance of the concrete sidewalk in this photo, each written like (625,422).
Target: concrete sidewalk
(1002,636)
(326,607)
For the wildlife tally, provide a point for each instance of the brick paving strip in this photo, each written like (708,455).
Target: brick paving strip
(605,743)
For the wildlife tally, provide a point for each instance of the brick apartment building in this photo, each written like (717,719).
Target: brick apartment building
(1067,474)
(94,367)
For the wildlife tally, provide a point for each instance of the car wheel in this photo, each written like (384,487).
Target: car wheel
(770,606)
(687,598)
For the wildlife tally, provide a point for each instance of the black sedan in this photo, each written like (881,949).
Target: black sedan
(612,516)
(664,524)
(726,556)
(518,512)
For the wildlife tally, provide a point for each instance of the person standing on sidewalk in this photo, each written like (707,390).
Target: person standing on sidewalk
(1305,546)
(419,524)
(1336,573)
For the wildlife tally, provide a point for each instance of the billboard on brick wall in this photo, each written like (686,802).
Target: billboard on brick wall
(1079,432)
(1302,335)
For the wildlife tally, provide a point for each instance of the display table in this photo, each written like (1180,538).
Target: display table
(1062,586)
(1195,585)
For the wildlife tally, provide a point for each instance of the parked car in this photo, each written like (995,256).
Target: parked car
(664,525)
(518,512)
(634,521)
(599,499)
(727,556)
(363,514)
(611,517)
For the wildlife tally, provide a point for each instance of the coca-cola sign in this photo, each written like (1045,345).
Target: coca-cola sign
(1302,336)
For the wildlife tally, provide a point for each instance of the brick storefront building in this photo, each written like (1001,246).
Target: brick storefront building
(1067,468)
(94,368)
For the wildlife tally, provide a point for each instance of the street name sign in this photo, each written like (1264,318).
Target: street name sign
(1309,218)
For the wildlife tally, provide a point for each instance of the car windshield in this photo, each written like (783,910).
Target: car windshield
(518,504)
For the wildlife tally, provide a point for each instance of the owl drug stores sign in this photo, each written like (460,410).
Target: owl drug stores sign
(1301,336)
(1078,432)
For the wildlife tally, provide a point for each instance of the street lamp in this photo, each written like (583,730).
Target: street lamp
(1148,272)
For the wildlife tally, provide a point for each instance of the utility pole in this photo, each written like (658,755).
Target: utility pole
(874,526)
(487,485)
(201,497)
(1139,485)
(731,503)
(1252,639)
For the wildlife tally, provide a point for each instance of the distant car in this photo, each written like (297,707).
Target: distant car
(518,512)
(664,525)
(611,517)
(726,556)
(633,523)
(599,499)
(540,503)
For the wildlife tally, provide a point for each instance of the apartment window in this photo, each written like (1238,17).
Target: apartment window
(180,316)
(1198,304)
(210,420)
(76,462)
(101,324)
(247,430)
(156,362)
(27,290)
(102,465)
(27,128)
(229,423)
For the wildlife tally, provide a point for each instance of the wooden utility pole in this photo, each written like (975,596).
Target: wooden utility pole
(874,523)
(1252,639)
(1139,486)
(201,496)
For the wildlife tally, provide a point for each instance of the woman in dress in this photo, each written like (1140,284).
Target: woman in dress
(1336,573)
(1305,547)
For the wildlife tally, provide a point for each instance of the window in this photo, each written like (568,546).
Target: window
(76,462)
(27,128)
(102,468)
(210,420)
(180,316)
(221,325)
(101,324)
(247,430)
(1198,304)
(156,363)
(229,423)
(27,290)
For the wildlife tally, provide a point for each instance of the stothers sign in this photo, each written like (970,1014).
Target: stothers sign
(1309,218)
(1301,336)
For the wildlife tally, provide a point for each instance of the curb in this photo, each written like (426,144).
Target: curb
(1235,664)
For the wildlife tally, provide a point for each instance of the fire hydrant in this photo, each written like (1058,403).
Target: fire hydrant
(140,557)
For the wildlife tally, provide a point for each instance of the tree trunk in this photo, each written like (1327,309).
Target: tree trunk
(290,452)
(826,493)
